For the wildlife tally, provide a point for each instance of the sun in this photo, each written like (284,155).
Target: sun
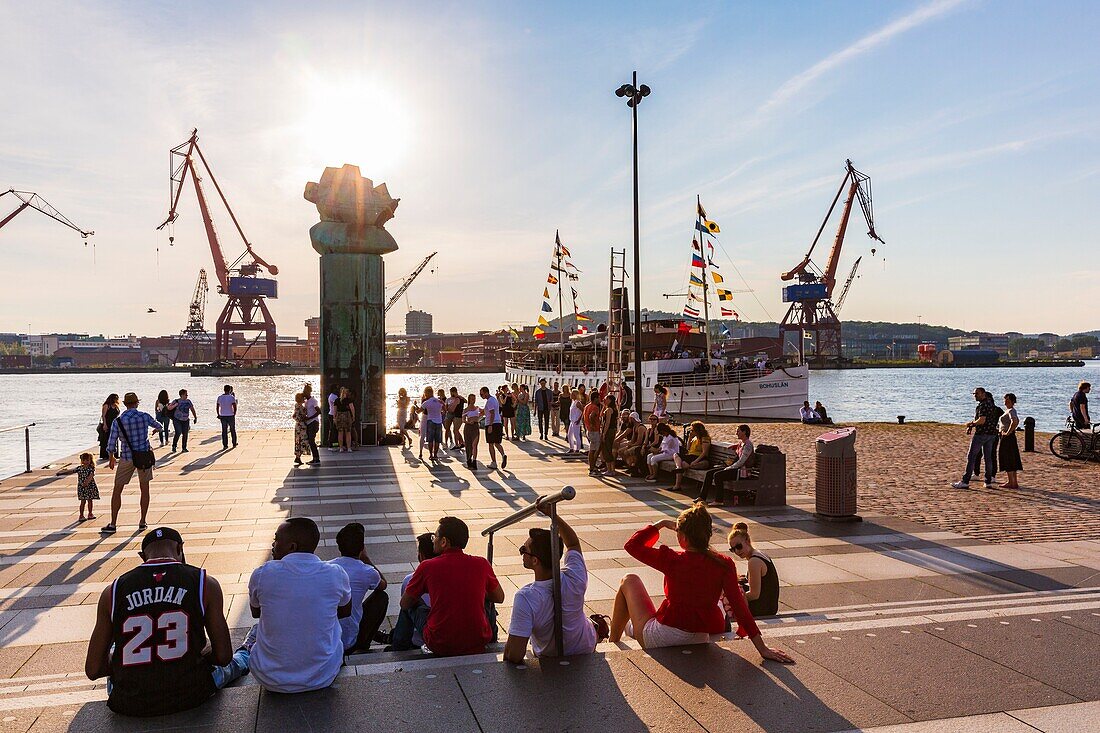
(357,121)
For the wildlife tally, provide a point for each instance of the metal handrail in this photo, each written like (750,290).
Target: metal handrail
(26,428)
(549,502)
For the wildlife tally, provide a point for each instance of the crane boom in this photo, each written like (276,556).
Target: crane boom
(31,200)
(847,285)
(408,281)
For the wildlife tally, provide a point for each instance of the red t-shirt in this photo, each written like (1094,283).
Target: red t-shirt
(694,583)
(591,416)
(458,584)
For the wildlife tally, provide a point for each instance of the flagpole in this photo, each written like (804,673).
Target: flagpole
(706,286)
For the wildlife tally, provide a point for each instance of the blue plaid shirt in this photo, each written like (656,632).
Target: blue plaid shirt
(136,424)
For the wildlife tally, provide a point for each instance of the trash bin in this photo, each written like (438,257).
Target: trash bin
(835,485)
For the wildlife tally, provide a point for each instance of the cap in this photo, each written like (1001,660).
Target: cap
(635,417)
(160,533)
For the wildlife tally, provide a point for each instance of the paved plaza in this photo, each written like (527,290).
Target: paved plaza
(920,618)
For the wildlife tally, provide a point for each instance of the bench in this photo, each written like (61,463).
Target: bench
(766,484)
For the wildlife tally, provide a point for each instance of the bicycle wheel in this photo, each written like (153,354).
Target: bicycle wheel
(1068,445)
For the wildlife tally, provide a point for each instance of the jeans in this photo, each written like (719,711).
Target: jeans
(223,676)
(311,436)
(981,447)
(229,425)
(182,428)
(410,623)
(544,423)
(715,477)
(164,421)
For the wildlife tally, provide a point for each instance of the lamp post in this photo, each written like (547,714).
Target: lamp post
(634,95)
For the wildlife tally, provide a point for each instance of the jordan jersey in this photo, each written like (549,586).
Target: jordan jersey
(157,615)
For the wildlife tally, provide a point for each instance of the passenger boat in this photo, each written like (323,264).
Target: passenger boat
(747,378)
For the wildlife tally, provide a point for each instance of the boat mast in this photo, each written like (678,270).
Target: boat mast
(561,317)
(699,227)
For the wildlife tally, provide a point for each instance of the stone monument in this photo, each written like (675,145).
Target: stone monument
(351,241)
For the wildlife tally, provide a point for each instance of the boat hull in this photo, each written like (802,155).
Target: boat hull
(747,394)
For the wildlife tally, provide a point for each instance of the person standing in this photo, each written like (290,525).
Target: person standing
(609,428)
(134,456)
(471,428)
(456,405)
(544,406)
(313,422)
(983,429)
(403,416)
(1008,450)
(86,490)
(494,429)
(555,410)
(433,408)
(592,424)
(573,433)
(227,414)
(332,435)
(182,412)
(107,414)
(1079,406)
(163,414)
(660,401)
(301,443)
(508,412)
(345,419)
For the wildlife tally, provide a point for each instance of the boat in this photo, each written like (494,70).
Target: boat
(707,376)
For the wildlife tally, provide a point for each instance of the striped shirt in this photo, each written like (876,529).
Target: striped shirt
(136,424)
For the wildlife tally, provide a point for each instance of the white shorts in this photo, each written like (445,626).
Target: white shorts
(656,634)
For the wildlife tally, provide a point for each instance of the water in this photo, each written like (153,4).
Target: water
(65,407)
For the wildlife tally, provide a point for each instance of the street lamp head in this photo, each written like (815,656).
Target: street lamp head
(644,90)
(630,102)
(624,91)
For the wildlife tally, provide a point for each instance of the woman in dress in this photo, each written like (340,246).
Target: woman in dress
(345,419)
(696,578)
(301,439)
(660,401)
(107,414)
(523,411)
(163,415)
(471,430)
(403,416)
(1008,450)
(761,582)
(508,411)
(565,401)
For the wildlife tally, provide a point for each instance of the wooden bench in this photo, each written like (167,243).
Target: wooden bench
(766,484)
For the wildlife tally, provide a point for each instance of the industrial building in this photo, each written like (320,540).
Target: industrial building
(418,323)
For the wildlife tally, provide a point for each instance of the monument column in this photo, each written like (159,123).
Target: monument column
(351,241)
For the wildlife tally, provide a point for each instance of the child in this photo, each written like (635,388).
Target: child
(86,489)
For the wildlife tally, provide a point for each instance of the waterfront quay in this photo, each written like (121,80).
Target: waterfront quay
(942,610)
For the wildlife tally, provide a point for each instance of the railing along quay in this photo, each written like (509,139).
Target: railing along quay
(26,428)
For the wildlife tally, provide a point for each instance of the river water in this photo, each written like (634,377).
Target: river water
(65,407)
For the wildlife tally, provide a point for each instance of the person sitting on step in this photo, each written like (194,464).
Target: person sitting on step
(151,627)
(368,590)
(408,632)
(533,605)
(459,585)
(695,578)
(761,582)
(299,599)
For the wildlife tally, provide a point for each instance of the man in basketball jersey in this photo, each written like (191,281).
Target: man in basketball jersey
(150,631)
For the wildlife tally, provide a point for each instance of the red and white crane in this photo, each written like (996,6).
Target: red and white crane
(239,280)
(31,200)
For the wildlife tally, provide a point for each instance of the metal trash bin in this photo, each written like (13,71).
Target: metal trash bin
(835,485)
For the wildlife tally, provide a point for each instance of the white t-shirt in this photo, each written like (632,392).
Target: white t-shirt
(533,611)
(313,407)
(364,579)
(418,639)
(472,413)
(575,411)
(670,444)
(298,644)
(225,405)
(433,409)
(332,404)
(492,405)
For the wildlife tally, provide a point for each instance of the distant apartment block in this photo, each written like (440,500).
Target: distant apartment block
(418,323)
(982,341)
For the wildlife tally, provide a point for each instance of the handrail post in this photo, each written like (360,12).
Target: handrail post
(27,439)
(555,566)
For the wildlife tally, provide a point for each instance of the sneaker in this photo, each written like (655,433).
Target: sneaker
(504,462)
(316,462)
(602,624)
(108,529)
(382,637)
(961,485)
(989,484)
(297,461)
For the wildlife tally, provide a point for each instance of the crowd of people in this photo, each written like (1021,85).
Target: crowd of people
(154,622)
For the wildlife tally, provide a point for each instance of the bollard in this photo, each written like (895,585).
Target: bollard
(901,419)
(1029,434)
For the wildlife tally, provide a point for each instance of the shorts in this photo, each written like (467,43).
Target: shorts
(344,420)
(494,433)
(656,634)
(433,432)
(594,437)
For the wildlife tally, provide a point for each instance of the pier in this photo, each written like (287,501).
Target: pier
(915,614)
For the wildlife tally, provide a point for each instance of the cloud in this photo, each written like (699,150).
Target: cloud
(794,86)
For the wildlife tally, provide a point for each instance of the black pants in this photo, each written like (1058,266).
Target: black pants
(544,423)
(716,476)
(311,436)
(374,613)
(182,428)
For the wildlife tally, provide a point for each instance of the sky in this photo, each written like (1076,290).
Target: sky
(495,123)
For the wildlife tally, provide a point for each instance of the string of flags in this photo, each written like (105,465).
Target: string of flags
(703,259)
(564,268)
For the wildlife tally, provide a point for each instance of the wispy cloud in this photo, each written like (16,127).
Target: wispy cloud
(795,86)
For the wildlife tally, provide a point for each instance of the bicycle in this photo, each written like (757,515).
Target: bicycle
(1075,442)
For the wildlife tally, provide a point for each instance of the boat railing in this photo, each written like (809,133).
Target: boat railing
(715,376)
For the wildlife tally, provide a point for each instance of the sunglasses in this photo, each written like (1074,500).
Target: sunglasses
(524,551)
(737,547)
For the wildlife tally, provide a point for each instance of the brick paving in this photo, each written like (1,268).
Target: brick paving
(906,471)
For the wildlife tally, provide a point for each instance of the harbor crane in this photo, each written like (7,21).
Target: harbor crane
(812,310)
(239,280)
(194,339)
(408,281)
(847,285)
(31,200)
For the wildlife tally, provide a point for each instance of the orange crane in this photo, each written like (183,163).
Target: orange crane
(31,200)
(239,280)
(812,309)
